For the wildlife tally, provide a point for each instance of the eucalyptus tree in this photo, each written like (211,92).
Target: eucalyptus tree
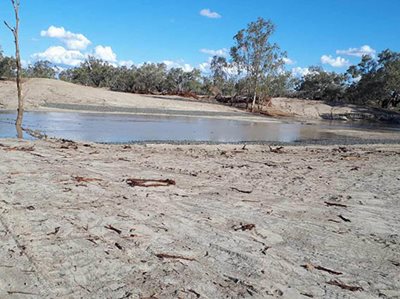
(321,85)
(256,57)
(218,68)
(376,80)
(41,69)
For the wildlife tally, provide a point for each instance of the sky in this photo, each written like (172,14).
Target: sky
(186,33)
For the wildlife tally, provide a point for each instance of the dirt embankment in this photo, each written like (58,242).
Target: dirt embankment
(77,220)
(49,94)
(309,109)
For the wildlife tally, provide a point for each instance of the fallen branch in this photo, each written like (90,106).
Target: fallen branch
(311,267)
(22,293)
(277,150)
(344,286)
(56,230)
(150,183)
(242,191)
(19,149)
(334,204)
(244,227)
(170,256)
(344,218)
(110,227)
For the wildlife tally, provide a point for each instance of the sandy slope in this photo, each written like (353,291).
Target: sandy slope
(41,91)
(65,238)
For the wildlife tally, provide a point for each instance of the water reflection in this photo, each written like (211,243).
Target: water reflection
(99,127)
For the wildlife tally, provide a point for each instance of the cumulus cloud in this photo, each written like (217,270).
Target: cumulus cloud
(73,41)
(60,55)
(300,71)
(105,53)
(221,52)
(358,52)
(334,62)
(127,63)
(178,64)
(210,14)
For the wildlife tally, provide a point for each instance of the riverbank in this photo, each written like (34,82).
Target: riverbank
(53,94)
(56,95)
(308,109)
(225,221)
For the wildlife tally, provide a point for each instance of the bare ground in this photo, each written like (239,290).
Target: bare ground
(302,222)
(41,92)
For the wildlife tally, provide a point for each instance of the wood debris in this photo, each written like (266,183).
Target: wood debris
(171,256)
(242,191)
(150,183)
(335,204)
(110,227)
(345,286)
(311,267)
(244,227)
(277,150)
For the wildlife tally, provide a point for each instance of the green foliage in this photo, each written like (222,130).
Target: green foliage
(8,66)
(256,58)
(41,69)
(377,81)
(322,85)
(149,78)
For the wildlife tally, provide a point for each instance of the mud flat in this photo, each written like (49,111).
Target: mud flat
(223,222)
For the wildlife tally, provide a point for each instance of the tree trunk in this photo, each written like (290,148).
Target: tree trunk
(253,105)
(20,110)
(15,32)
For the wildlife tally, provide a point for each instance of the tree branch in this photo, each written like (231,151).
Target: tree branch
(9,27)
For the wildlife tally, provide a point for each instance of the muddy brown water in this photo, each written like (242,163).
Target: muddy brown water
(123,128)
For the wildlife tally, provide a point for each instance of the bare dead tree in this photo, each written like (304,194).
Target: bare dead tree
(15,32)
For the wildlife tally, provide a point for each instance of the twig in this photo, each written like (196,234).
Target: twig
(171,256)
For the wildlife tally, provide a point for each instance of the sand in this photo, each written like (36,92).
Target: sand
(39,92)
(301,222)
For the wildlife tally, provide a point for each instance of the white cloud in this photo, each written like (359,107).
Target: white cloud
(288,61)
(60,55)
(334,62)
(358,52)
(204,67)
(73,41)
(127,63)
(221,52)
(178,64)
(210,14)
(105,53)
(300,71)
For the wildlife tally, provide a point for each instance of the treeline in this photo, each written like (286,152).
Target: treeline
(372,82)
(150,78)
(252,74)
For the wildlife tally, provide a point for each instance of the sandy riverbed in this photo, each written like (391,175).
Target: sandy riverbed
(305,222)
(40,92)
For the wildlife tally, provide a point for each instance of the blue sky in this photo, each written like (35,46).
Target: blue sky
(313,32)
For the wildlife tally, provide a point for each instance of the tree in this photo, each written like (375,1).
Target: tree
(41,69)
(322,86)
(174,81)
(15,32)
(218,67)
(8,66)
(255,56)
(376,81)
